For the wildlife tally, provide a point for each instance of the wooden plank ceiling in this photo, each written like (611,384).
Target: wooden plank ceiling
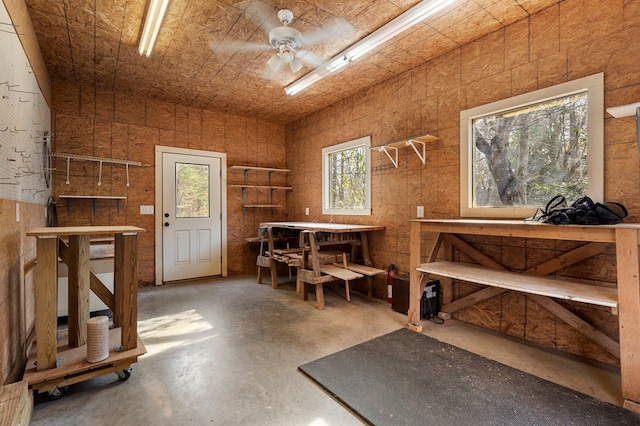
(201,57)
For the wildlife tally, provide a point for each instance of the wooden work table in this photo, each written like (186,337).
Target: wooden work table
(76,254)
(624,300)
(310,271)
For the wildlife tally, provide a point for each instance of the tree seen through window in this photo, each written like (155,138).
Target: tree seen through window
(524,156)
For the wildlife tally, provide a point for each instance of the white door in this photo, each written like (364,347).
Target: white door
(191,216)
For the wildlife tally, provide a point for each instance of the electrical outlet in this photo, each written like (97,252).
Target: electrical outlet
(420,211)
(306,211)
(146,209)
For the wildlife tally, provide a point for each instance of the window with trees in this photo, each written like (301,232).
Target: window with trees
(518,153)
(346,178)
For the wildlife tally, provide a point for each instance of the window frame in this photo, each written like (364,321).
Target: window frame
(593,85)
(326,152)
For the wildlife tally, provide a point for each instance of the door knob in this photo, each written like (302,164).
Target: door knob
(166,224)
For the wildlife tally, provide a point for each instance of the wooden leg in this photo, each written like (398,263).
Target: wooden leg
(46,301)
(272,261)
(346,290)
(366,260)
(413,314)
(79,289)
(320,296)
(125,286)
(628,271)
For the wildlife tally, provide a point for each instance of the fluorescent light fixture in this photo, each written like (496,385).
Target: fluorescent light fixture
(155,15)
(383,34)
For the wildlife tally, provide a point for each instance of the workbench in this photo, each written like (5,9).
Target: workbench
(310,270)
(623,299)
(61,361)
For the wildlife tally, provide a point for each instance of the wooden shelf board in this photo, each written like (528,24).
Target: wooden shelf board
(363,269)
(92,197)
(403,142)
(559,289)
(425,138)
(82,230)
(338,272)
(259,186)
(264,169)
(260,206)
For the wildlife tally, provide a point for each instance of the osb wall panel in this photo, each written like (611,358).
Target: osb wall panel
(20,17)
(560,42)
(118,125)
(17,285)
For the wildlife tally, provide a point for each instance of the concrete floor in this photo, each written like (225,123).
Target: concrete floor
(226,352)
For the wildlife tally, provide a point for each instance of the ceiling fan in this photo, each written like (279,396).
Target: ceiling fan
(289,43)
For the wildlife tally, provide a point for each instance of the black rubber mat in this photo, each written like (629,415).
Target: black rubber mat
(406,378)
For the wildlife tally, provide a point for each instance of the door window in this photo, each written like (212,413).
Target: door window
(192,190)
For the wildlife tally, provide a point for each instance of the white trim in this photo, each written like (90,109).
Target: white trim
(594,84)
(223,201)
(366,211)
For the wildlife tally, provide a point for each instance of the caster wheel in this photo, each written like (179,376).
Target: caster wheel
(57,393)
(123,375)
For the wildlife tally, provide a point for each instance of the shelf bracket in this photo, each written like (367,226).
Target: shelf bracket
(413,143)
(385,148)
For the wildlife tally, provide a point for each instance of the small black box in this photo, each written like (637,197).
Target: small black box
(400,293)
(429,302)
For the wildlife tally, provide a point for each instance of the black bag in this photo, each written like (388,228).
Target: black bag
(584,211)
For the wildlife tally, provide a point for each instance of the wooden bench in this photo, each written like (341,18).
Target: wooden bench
(368,271)
(331,273)
(341,274)
(532,284)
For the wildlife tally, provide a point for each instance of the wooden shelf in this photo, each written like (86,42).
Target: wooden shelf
(260,186)
(558,289)
(99,160)
(246,185)
(402,143)
(95,199)
(262,169)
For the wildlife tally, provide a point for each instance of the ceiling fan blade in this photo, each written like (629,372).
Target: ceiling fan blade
(262,13)
(310,58)
(337,28)
(295,65)
(275,63)
(233,46)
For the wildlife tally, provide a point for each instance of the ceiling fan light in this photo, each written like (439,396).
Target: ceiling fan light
(295,65)
(275,63)
(286,54)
